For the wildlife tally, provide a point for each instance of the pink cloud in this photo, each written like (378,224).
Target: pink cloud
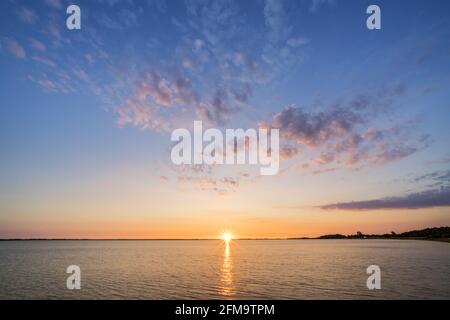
(27,15)
(47,84)
(45,61)
(345,134)
(16,49)
(38,45)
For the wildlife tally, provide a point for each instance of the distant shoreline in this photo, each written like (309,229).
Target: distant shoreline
(237,239)
(441,234)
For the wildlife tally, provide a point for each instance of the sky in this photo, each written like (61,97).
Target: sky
(86,117)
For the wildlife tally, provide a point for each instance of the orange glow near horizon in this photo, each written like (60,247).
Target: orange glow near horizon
(73,223)
(227,236)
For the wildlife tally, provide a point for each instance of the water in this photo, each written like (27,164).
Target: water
(246,269)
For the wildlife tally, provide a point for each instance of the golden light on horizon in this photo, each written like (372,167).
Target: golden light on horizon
(227,236)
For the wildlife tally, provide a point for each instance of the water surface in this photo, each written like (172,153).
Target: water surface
(210,269)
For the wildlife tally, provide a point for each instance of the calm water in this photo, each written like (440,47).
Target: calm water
(252,269)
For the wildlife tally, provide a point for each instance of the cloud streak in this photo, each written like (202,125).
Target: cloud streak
(436,194)
(27,15)
(15,48)
(418,200)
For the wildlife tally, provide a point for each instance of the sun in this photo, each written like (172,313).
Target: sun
(227,236)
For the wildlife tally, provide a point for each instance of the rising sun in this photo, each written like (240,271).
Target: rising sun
(227,236)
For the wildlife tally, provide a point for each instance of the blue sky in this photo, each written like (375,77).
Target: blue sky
(87,114)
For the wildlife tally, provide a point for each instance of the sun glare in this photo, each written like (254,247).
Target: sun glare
(227,236)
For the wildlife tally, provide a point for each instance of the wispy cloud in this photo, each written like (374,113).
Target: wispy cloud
(155,100)
(435,193)
(419,200)
(210,181)
(219,109)
(276,20)
(27,15)
(38,45)
(15,48)
(54,4)
(50,85)
(47,84)
(221,185)
(45,61)
(434,179)
(297,42)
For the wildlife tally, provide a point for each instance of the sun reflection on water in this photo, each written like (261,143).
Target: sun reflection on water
(227,272)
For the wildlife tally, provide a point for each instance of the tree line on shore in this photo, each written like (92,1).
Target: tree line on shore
(438,233)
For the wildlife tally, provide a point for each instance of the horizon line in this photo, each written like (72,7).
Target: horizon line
(140,239)
(181,239)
